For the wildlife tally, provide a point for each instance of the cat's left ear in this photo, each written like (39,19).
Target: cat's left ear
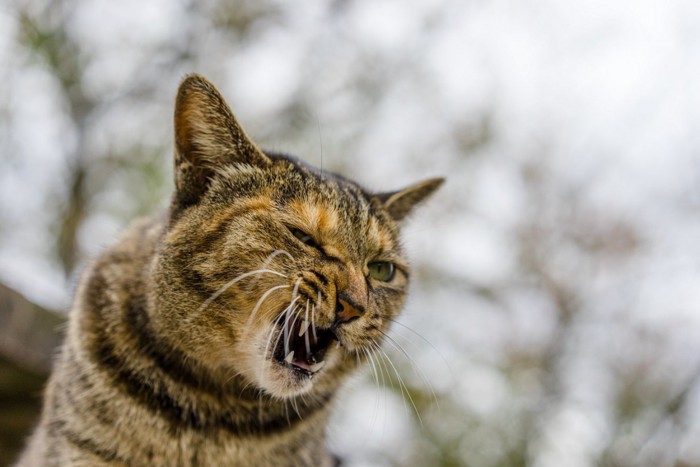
(400,203)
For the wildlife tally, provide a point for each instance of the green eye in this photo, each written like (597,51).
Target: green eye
(303,237)
(382,270)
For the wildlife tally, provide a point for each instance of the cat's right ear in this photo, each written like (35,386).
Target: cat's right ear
(207,138)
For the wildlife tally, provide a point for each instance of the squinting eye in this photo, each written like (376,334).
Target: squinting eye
(303,237)
(382,270)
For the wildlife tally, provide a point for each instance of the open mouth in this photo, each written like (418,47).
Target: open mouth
(301,347)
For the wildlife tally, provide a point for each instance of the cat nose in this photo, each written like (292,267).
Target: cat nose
(346,310)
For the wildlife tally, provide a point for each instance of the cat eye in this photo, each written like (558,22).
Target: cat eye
(303,237)
(382,271)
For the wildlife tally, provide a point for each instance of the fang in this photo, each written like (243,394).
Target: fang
(303,328)
(290,357)
(314,368)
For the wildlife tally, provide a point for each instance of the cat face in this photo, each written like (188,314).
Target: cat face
(272,271)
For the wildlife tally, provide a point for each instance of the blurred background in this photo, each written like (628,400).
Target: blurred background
(554,318)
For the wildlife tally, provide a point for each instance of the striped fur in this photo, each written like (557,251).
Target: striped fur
(173,353)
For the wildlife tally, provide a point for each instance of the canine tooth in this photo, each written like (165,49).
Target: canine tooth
(304,327)
(315,367)
(289,357)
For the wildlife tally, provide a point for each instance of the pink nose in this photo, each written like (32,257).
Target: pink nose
(347,312)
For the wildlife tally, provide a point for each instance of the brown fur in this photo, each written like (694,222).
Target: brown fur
(173,351)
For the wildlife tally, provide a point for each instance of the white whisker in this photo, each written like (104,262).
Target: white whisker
(306,331)
(414,365)
(285,329)
(268,261)
(417,334)
(313,315)
(382,371)
(296,289)
(295,406)
(402,385)
(286,411)
(288,311)
(267,344)
(262,299)
(375,412)
(228,285)
(371,362)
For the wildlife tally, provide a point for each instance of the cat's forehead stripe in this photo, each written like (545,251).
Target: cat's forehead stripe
(255,204)
(384,238)
(316,216)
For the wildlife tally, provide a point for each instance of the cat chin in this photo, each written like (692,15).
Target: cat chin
(284,382)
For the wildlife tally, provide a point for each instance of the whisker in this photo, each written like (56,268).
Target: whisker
(313,315)
(414,365)
(286,411)
(295,290)
(384,370)
(297,315)
(276,253)
(417,334)
(233,375)
(371,362)
(289,310)
(246,386)
(262,299)
(382,360)
(402,385)
(375,412)
(295,406)
(228,285)
(268,261)
(374,350)
(269,341)
(285,327)
(286,315)
(285,330)
(306,331)
(193,262)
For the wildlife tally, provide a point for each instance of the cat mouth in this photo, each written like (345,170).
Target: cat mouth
(301,346)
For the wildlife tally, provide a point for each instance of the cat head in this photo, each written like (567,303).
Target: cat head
(271,270)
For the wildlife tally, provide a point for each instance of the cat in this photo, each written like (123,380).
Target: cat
(219,332)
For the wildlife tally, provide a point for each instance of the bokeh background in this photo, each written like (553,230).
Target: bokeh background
(554,318)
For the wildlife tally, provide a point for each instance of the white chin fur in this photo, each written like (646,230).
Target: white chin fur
(275,379)
(283,382)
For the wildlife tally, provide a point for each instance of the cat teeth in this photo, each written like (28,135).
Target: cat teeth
(315,367)
(304,327)
(290,357)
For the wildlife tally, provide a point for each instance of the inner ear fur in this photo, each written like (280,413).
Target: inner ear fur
(400,203)
(207,138)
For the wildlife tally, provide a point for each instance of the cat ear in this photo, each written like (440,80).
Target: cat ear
(207,137)
(400,203)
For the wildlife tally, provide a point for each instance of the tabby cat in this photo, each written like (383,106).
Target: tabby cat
(218,334)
